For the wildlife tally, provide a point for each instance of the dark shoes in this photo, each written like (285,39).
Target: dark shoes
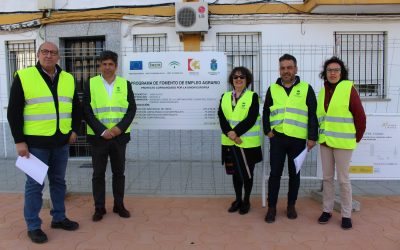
(65,224)
(235,206)
(271,214)
(324,218)
(98,214)
(291,212)
(244,208)
(121,211)
(346,223)
(37,236)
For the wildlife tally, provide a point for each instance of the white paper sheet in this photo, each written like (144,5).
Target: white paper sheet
(298,161)
(33,167)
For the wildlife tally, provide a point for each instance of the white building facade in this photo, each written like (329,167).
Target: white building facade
(364,34)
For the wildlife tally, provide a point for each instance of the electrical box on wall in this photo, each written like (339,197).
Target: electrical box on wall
(191,17)
(45,4)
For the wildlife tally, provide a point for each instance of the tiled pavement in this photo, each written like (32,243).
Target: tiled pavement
(183,206)
(203,223)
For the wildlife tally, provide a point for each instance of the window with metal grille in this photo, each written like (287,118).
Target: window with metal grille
(242,49)
(364,55)
(81,59)
(150,43)
(81,56)
(20,54)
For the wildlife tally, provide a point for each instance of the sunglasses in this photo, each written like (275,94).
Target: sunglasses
(241,77)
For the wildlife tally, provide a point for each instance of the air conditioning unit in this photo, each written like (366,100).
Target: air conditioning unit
(45,4)
(191,17)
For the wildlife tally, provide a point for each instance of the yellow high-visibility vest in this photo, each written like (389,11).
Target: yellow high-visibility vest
(289,114)
(108,110)
(336,126)
(251,138)
(40,115)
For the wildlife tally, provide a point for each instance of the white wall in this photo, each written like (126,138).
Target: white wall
(31,5)
(318,38)
(129,29)
(302,40)
(277,38)
(4,91)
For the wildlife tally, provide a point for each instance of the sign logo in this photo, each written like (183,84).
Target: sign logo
(193,64)
(155,65)
(136,65)
(174,64)
(201,9)
(213,65)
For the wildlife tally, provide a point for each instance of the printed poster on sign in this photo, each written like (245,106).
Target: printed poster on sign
(377,156)
(176,90)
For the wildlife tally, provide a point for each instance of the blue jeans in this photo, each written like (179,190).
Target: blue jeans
(56,159)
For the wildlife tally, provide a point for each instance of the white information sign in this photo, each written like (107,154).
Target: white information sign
(176,90)
(377,156)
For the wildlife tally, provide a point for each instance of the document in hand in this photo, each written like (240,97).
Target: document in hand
(33,167)
(298,161)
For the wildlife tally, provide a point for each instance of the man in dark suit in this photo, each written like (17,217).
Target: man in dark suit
(109,107)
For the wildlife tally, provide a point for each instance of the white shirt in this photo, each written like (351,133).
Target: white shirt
(109,87)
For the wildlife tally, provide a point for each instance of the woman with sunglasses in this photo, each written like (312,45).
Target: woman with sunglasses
(342,123)
(240,124)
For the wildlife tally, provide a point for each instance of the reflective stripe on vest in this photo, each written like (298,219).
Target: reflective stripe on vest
(289,114)
(112,109)
(251,138)
(40,115)
(108,110)
(336,126)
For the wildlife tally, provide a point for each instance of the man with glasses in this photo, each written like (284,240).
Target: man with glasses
(44,115)
(290,122)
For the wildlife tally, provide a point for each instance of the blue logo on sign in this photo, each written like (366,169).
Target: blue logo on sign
(213,65)
(136,65)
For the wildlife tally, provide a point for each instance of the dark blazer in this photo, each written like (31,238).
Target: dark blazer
(99,128)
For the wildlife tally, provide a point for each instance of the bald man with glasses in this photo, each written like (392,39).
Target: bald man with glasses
(44,114)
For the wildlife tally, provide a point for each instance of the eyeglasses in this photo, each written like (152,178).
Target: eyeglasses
(51,52)
(336,70)
(241,77)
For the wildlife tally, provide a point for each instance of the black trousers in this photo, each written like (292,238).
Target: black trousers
(100,155)
(239,182)
(280,146)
